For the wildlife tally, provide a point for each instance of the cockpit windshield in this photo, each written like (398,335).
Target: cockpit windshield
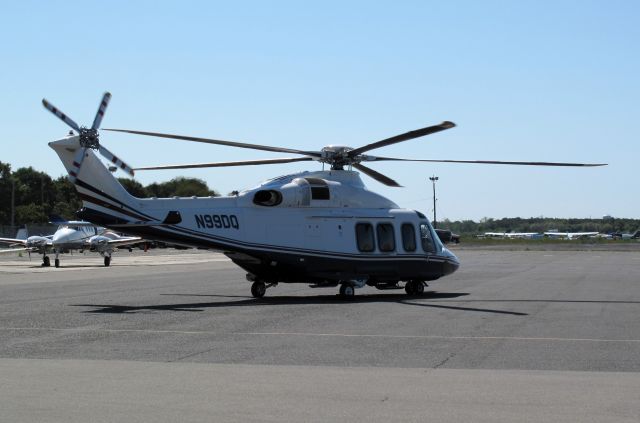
(430,242)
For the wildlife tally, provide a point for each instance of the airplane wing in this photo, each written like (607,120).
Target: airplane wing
(22,242)
(125,241)
(14,250)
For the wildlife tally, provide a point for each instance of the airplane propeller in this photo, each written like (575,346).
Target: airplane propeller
(336,156)
(89,138)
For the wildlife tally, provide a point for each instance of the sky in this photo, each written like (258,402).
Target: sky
(523,80)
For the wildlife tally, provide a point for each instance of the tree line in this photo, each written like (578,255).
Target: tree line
(37,195)
(540,225)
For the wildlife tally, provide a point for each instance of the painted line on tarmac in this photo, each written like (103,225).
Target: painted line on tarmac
(326,335)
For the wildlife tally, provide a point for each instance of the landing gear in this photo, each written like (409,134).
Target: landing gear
(107,261)
(258,289)
(45,261)
(57,262)
(347,290)
(414,287)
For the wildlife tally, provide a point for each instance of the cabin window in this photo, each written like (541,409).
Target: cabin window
(426,238)
(364,237)
(386,239)
(408,237)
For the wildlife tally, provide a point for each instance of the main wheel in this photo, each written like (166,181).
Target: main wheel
(46,262)
(347,290)
(57,262)
(409,288)
(258,289)
(107,261)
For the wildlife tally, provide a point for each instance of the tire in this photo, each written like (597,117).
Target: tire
(57,262)
(347,290)
(409,288)
(107,261)
(418,288)
(46,262)
(258,289)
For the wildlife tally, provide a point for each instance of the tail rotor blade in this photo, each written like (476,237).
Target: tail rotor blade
(115,160)
(77,163)
(66,119)
(100,113)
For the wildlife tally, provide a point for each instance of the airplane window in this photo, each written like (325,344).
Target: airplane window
(408,237)
(386,240)
(364,237)
(426,238)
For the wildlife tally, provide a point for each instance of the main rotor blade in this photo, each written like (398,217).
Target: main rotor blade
(378,159)
(115,160)
(221,142)
(403,137)
(66,119)
(100,113)
(376,175)
(225,164)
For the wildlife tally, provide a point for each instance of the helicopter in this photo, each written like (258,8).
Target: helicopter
(323,228)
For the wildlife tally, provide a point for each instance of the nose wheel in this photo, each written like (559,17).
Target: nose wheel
(258,289)
(46,262)
(107,261)
(347,291)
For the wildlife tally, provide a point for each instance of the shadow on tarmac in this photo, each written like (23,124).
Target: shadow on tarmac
(244,301)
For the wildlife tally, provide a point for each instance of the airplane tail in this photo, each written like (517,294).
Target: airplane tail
(105,200)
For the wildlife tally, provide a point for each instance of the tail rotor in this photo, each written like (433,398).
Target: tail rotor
(89,138)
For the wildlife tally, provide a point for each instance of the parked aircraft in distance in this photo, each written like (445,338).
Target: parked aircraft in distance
(513,235)
(71,236)
(570,235)
(618,235)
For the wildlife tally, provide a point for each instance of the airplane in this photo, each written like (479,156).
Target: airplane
(511,235)
(570,235)
(322,227)
(619,235)
(70,235)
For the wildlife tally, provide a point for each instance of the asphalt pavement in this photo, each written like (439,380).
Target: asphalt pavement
(166,336)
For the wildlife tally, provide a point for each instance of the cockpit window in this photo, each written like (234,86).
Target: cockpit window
(426,238)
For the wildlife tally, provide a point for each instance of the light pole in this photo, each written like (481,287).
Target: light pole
(433,179)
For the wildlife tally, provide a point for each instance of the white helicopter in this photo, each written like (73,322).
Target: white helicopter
(321,227)
(71,236)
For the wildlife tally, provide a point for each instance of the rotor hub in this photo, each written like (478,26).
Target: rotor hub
(337,156)
(89,138)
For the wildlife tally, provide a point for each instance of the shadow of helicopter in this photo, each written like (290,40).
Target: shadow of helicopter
(244,301)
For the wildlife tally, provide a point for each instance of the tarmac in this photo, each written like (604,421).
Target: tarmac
(515,336)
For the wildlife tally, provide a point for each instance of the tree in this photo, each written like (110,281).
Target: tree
(181,187)
(134,187)
(67,202)
(5,193)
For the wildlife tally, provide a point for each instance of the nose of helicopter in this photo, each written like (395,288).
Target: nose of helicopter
(451,262)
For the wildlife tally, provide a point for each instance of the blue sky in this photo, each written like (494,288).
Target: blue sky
(535,81)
